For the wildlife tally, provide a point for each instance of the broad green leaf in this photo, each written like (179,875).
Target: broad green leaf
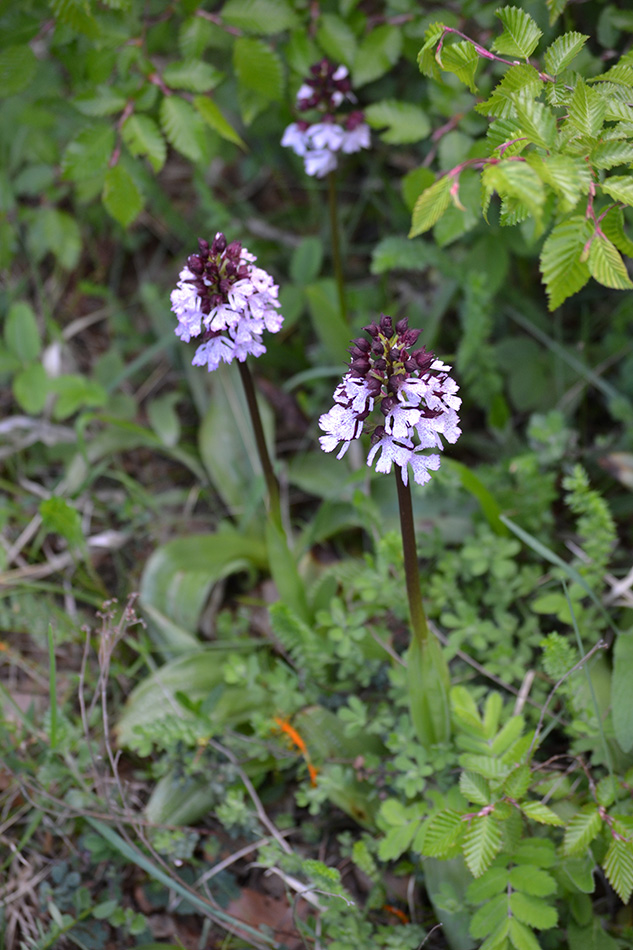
(428,683)
(535,851)
(507,735)
(329,324)
(606,265)
(488,918)
(461,59)
(283,569)
(193,75)
(88,154)
(103,100)
(516,180)
(481,843)
(55,232)
(532,880)
(562,51)
(493,882)
(77,15)
(521,937)
(489,768)
(518,782)
(618,866)
(427,63)
(537,811)
(413,184)
(121,197)
(619,187)
(377,53)
(337,39)
(143,137)
(493,707)
(580,872)
(431,205)
(306,260)
(405,121)
(568,175)
(21,332)
(555,7)
(564,273)
(18,65)
(195,36)
(399,253)
(441,833)
(181,123)
(522,79)
(586,110)
(31,387)
(263,17)
(215,120)
(536,119)
(59,517)
(621,73)
(610,154)
(621,679)
(76,392)
(474,788)
(258,68)
(590,937)
(163,418)
(520,33)
(581,830)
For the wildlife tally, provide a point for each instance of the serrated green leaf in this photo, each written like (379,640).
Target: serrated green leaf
(18,65)
(194,36)
(337,39)
(21,332)
(621,74)
(520,33)
(613,227)
(263,17)
(377,53)
(493,707)
(399,253)
(537,811)
(622,677)
(121,197)
(180,124)
(532,880)
(405,121)
(88,154)
(461,59)
(103,100)
(586,110)
(77,15)
(618,866)
(507,735)
(610,154)
(481,842)
(427,63)
(491,883)
(606,265)
(564,273)
(59,517)
(518,781)
(518,79)
(562,51)
(619,187)
(568,175)
(536,119)
(192,75)
(581,830)
(533,911)
(539,852)
(258,68)
(215,120)
(474,788)
(580,872)
(521,937)
(488,918)
(143,137)
(31,387)
(555,7)
(441,832)
(516,180)
(493,769)
(430,206)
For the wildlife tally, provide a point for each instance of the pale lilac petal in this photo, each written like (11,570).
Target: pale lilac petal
(356,139)
(319,163)
(295,138)
(325,135)
(212,353)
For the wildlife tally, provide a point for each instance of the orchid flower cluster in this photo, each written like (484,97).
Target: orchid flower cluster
(318,143)
(225,302)
(412,391)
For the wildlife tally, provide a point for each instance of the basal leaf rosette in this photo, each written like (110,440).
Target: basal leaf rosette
(225,302)
(403,397)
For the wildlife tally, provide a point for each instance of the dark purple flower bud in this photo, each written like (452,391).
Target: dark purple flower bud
(362,344)
(411,366)
(356,353)
(410,337)
(372,329)
(230,269)
(360,366)
(394,383)
(381,365)
(374,385)
(225,285)
(195,264)
(204,247)
(387,405)
(377,434)
(233,251)
(217,300)
(219,243)
(395,354)
(386,325)
(242,272)
(402,326)
(423,358)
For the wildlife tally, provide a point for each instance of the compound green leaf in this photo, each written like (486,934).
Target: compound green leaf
(521,937)
(562,51)
(537,811)
(522,79)
(180,124)
(564,273)
(441,832)
(581,830)
(192,75)
(586,110)
(18,65)
(56,232)
(520,33)
(618,866)
(377,53)
(619,187)
(610,154)
(263,17)
(461,59)
(622,677)
(405,121)
(88,154)
(431,205)
(121,197)
(606,265)
(474,788)
(516,180)
(481,843)
(258,68)
(532,880)
(518,782)
(103,100)
(491,883)
(536,119)
(533,911)
(507,735)
(488,918)
(215,120)
(143,137)
(568,175)
(21,332)
(493,769)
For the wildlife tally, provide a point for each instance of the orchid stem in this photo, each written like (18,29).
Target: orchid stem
(271,480)
(336,244)
(419,623)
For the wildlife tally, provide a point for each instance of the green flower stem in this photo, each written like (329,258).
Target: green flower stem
(271,480)
(419,623)
(336,244)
